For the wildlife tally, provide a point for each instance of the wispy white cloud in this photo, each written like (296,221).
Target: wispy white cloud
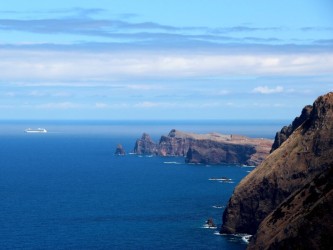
(267,90)
(58,105)
(36,93)
(145,87)
(101,105)
(222,92)
(155,104)
(10,94)
(117,106)
(61,94)
(81,22)
(60,67)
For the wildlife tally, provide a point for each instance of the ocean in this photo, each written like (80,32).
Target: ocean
(67,190)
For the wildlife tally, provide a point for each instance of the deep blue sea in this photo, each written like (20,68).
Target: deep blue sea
(67,190)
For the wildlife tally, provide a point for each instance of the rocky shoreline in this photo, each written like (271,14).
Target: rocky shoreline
(286,202)
(212,148)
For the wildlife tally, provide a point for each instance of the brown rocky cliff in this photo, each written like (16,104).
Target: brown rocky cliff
(210,152)
(145,145)
(303,221)
(305,154)
(119,150)
(286,131)
(233,149)
(210,148)
(176,143)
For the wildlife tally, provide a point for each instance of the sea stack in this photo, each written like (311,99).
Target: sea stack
(287,201)
(120,150)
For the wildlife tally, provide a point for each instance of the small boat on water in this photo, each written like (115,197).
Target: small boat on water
(220,179)
(38,130)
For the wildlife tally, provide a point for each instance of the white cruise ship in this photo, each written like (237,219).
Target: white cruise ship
(38,130)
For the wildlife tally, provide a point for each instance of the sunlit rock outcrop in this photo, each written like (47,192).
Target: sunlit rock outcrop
(291,189)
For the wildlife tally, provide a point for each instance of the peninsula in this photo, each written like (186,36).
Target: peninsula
(212,148)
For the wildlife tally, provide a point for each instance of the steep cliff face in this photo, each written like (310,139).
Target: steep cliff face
(228,149)
(145,145)
(210,152)
(303,221)
(210,148)
(175,143)
(286,131)
(305,154)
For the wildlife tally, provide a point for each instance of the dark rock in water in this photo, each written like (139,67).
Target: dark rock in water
(210,148)
(210,223)
(120,150)
(291,189)
(145,146)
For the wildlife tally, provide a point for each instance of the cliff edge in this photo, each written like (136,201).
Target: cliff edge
(261,198)
(212,148)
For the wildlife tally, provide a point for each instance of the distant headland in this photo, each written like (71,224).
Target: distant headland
(212,148)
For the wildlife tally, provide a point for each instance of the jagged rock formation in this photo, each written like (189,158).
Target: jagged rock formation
(286,131)
(282,196)
(120,150)
(176,143)
(210,148)
(145,145)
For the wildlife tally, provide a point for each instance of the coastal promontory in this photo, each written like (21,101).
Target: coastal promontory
(287,201)
(212,148)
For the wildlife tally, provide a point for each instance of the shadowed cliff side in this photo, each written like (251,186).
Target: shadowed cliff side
(305,154)
(303,221)
(286,131)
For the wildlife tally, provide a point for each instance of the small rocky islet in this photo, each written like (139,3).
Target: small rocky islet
(120,150)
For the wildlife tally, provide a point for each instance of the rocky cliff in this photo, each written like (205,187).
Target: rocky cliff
(303,221)
(175,143)
(228,149)
(119,150)
(286,131)
(210,148)
(145,145)
(278,197)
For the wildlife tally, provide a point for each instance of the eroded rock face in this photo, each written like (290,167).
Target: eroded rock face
(120,150)
(232,149)
(302,221)
(176,143)
(305,154)
(286,131)
(210,148)
(210,152)
(145,145)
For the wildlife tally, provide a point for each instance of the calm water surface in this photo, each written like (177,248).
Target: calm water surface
(66,190)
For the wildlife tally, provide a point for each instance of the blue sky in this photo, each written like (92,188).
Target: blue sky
(214,59)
